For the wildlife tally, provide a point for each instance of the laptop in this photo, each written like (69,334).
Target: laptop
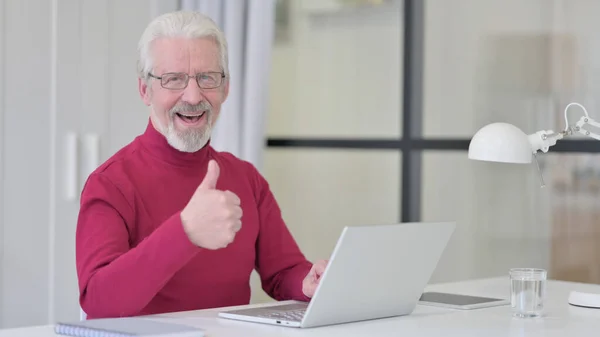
(375,271)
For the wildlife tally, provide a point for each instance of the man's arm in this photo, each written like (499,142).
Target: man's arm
(115,279)
(280,263)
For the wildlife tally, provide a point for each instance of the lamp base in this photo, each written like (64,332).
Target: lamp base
(585,300)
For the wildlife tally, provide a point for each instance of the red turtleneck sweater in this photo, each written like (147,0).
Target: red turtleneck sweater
(133,257)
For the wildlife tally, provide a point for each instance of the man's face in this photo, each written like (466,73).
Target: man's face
(185,115)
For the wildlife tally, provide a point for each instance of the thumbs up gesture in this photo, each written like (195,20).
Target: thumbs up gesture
(212,218)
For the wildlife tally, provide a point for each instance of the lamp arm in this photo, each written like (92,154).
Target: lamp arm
(567,111)
(542,140)
(585,120)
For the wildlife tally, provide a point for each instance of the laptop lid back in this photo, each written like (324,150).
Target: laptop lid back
(377,271)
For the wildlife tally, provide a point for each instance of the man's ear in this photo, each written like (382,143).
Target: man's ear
(145,91)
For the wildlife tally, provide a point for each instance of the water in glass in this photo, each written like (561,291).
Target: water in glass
(527,292)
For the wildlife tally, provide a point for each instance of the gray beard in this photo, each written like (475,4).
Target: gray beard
(190,140)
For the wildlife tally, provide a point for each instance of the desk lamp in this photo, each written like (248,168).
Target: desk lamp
(506,143)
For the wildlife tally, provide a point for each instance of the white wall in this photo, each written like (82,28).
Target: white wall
(66,66)
(26,158)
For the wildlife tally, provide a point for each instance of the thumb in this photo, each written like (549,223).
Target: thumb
(211,177)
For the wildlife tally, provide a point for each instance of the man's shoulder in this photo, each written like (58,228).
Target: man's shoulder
(112,182)
(119,165)
(241,165)
(122,157)
(243,168)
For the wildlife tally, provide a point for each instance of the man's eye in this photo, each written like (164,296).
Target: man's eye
(174,79)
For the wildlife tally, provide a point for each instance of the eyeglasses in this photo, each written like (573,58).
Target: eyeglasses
(178,81)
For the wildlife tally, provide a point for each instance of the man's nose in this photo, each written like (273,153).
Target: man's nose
(193,94)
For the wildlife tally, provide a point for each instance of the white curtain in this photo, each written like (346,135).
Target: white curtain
(249,29)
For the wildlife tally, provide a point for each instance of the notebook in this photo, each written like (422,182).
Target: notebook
(125,327)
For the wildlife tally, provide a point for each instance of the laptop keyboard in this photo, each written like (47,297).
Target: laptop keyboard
(287,312)
(287,315)
(283,312)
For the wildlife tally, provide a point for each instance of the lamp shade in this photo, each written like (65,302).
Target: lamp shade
(501,142)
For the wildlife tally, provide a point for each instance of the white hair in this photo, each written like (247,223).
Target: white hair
(185,24)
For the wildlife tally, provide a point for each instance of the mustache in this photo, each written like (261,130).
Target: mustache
(186,107)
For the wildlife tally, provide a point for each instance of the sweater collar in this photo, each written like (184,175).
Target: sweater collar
(156,144)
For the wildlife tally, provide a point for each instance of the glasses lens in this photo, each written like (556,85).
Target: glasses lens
(209,80)
(174,80)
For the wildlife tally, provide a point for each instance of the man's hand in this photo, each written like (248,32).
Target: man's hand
(311,281)
(212,218)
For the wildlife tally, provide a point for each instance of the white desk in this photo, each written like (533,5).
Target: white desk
(561,319)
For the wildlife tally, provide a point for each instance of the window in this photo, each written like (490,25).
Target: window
(366,97)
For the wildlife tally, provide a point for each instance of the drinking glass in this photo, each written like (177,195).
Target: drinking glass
(527,291)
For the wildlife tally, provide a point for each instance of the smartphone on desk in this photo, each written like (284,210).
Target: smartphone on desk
(458,301)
